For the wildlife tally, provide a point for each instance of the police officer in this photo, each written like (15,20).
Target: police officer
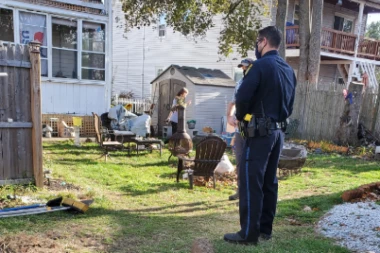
(246,65)
(264,101)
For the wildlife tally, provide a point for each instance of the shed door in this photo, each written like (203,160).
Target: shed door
(168,90)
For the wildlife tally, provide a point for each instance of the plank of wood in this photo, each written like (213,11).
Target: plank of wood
(15,63)
(35,87)
(16,125)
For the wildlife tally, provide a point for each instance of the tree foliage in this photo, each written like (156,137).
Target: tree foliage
(241,19)
(373,30)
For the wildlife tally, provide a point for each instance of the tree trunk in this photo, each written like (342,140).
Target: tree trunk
(282,13)
(314,58)
(304,34)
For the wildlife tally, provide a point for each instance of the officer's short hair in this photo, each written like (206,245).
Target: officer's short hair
(272,34)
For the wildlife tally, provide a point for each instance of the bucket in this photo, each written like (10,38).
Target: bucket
(191,125)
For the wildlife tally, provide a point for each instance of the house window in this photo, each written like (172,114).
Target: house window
(162,26)
(6,25)
(93,51)
(343,24)
(33,28)
(296,15)
(64,44)
(238,74)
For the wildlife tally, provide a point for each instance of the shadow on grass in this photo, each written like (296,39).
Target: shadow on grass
(151,188)
(341,163)
(173,227)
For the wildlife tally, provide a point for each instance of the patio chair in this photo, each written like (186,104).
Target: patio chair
(208,154)
(105,145)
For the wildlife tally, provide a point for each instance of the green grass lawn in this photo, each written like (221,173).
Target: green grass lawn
(140,208)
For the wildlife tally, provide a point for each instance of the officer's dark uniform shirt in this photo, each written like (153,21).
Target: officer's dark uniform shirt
(270,84)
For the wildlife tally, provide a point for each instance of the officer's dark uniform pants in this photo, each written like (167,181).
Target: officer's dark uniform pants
(258,184)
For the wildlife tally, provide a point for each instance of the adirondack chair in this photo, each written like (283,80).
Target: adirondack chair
(105,145)
(208,154)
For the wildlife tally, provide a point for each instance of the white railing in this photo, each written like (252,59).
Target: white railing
(139,106)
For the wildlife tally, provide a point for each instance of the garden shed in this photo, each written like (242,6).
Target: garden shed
(210,90)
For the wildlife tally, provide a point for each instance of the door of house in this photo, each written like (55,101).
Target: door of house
(168,89)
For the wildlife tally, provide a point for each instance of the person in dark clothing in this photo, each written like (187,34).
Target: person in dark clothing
(264,101)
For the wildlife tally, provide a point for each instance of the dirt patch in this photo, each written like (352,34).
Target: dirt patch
(59,185)
(367,192)
(23,243)
(227,179)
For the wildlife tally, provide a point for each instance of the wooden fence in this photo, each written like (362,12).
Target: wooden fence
(316,115)
(20,115)
(55,121)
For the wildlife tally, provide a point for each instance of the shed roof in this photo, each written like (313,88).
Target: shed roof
(202,76)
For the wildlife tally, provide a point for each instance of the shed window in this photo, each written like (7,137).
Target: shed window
(64,38)
(6,25)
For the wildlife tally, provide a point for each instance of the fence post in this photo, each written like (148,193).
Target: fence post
(35,85)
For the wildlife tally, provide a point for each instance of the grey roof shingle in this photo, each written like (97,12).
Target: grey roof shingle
(203,76)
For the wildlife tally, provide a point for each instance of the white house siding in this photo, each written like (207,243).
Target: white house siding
(329,11)
(328,73)
(211,106)
(131,72)
(70,95)
(82,99)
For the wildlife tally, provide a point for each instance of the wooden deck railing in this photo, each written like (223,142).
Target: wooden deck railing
(338,42)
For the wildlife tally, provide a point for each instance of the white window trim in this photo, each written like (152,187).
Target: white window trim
(79,20)
(345,16)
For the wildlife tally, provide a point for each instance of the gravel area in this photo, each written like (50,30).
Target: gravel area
(355,226)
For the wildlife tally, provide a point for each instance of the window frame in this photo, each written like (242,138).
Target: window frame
(14,24)
(93,52)
(18,39)
(345,17)
(79,20)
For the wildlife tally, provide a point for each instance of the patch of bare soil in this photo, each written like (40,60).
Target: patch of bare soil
(59,185)
(367,192)
(226,179)
(23,243)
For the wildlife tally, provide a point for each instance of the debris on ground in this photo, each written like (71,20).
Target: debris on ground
(59,185)
(23,243)
(202,245)
(367,192)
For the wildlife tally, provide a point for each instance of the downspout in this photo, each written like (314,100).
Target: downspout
(109,79)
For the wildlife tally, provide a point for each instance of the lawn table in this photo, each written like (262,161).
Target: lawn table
(145,142)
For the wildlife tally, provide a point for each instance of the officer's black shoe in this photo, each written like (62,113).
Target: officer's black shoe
(265,237)
(237,239)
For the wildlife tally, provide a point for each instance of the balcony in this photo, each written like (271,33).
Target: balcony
(338,42)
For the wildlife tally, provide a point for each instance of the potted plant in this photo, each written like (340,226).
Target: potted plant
(191,123)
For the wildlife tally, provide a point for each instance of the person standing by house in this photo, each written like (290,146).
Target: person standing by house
(264,101)
(173,115)
(231,120)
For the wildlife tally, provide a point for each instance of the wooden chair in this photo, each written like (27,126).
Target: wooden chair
(208,154)
(105,145)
